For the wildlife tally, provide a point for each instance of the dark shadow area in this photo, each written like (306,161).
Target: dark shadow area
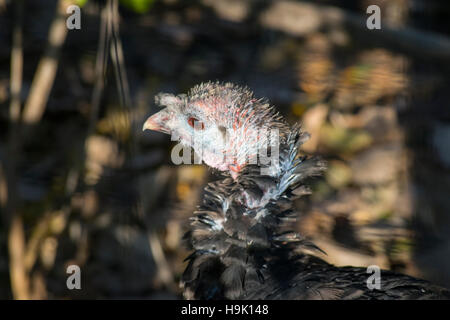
(102,195)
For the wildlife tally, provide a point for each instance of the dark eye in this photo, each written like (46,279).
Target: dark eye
(194,123)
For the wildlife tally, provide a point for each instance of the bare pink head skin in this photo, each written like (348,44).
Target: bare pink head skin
(222,122)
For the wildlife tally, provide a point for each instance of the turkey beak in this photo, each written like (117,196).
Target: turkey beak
(157,122)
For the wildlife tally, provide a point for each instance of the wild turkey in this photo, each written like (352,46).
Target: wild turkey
(242,246)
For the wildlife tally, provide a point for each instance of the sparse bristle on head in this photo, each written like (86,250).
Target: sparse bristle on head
(232,124)
(235,106)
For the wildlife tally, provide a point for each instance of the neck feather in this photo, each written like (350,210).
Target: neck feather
(244,223)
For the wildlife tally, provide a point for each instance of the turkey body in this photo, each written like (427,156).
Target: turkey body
(310,278)
(241,237)
(243,247)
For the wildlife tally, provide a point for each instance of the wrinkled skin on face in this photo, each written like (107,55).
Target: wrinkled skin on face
(224,124)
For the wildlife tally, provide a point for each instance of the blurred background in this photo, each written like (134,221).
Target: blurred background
(81,184)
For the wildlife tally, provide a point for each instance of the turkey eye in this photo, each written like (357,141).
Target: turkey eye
(194,123)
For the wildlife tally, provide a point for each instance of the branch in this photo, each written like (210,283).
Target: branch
(299,19)
(47,67)
(16,237)
(33,111)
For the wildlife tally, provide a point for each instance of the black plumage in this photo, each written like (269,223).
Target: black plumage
(241,235)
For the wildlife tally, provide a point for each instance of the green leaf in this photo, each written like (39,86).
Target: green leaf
(138,6)
(81,3)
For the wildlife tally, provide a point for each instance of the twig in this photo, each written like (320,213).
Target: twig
(16,65)
(101,64)
(47,67)
(118,60)
(20,282)
(164,270)
(33,112)
(100,70)
(16,238)
(117,56)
